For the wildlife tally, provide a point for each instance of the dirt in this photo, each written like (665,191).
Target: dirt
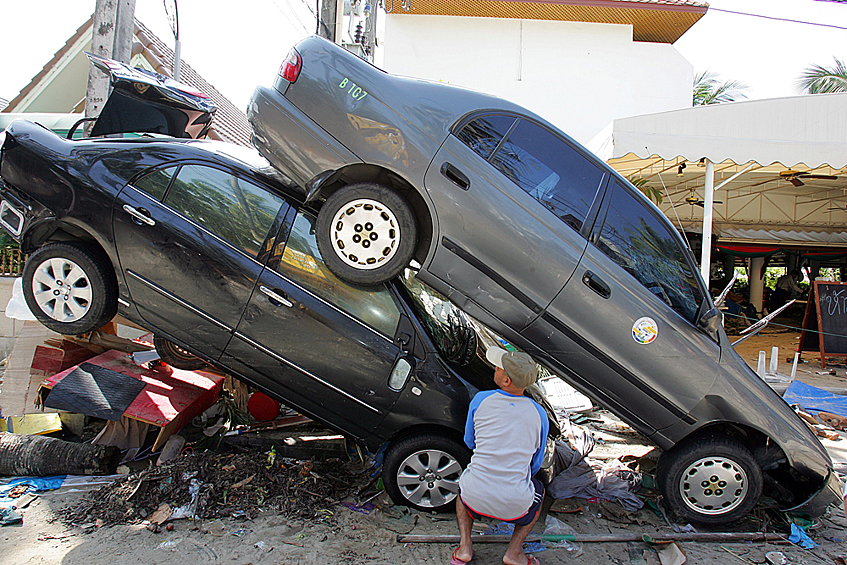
(338,534)
(330,512)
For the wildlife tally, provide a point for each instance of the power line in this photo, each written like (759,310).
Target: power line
(293,12)
(782,19)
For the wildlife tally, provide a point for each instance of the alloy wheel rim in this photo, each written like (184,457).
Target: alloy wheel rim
(62,289)
(713,485)
(365,234)
(429,478)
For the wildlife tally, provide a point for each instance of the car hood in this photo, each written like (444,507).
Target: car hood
(142,101)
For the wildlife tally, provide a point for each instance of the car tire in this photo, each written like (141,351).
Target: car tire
(422,471)
(710,480)
(175,356)
(70,287)
(366,233)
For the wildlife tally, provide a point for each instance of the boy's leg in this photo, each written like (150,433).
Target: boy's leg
(465,550)
(514,553)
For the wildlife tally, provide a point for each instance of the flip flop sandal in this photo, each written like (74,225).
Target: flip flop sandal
(456,561)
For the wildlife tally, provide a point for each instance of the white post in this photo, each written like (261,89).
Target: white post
(339,21)
(773,368)
(708,204)
(177,58)
(757,282)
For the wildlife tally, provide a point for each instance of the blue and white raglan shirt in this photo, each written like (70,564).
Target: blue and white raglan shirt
(508,434)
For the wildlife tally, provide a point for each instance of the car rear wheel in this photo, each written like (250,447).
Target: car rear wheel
(175,356)
(70,287)
(422,471)
(366,233)
(710,480)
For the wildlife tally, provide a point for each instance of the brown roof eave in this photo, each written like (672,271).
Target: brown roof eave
(36,80)
(692,7)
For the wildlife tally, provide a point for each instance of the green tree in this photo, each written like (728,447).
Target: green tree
(709,90)
(818,79)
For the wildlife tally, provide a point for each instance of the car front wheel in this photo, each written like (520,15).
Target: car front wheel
(422,471)
(366,233)
(70,287)
(710,480)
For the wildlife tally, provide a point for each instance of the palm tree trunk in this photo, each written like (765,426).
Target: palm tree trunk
(43,456)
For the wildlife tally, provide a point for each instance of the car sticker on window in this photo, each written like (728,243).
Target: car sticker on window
(353,89)
(645,330)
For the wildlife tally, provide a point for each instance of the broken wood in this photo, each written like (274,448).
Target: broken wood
(716,537)
(40,456)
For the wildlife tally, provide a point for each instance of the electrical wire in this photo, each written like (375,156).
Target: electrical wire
(294,13)
(670,200)
(789,20)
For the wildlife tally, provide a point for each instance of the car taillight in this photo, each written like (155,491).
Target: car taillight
(290,68)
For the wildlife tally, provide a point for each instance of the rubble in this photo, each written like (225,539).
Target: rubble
(230,485)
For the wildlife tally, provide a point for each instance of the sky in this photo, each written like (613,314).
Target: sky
(239,45)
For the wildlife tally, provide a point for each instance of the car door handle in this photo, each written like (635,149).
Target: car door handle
(596,284)
(139,215)
(455,176)
(276,297)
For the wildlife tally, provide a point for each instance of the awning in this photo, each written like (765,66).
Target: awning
(778,167)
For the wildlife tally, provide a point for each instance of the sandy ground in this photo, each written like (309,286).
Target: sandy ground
(351,537)
(340,535)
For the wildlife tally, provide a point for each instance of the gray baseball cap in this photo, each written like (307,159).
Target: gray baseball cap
(518,365)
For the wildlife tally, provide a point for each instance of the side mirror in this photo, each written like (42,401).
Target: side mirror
(711,322)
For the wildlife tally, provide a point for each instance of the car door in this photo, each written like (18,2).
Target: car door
(625,325)
(322,345)
(191,241)
(512,197)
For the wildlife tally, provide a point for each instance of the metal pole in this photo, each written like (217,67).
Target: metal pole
(177,58)
(708,205)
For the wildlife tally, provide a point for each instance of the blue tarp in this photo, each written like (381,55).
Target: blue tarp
(813,399)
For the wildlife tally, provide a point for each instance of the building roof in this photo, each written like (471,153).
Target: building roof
(229,124)
(656,21)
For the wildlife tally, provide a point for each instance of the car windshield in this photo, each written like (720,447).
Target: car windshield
(449,327)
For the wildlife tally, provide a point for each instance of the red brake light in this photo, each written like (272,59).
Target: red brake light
(290,68)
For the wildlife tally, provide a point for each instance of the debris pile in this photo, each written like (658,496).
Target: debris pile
(214,485)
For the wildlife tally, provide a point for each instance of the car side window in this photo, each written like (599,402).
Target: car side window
(301,262)
(648,248)
(550,170)
(156,183)
(484,133)
(231,207)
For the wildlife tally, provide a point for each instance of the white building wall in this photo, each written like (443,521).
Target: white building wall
(579,76)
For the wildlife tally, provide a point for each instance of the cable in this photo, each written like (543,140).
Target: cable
(294,13)
(711,8)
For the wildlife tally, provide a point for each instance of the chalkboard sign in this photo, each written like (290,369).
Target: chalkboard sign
(825,322)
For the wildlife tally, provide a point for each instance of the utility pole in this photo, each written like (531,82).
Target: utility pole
(114,26)
(330,19)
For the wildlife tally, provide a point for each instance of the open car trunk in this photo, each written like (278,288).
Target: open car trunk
(142,101)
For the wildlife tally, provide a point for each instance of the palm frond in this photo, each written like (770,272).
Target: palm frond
(817,79)
(708,89)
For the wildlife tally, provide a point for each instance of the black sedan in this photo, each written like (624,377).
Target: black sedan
(202,243)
